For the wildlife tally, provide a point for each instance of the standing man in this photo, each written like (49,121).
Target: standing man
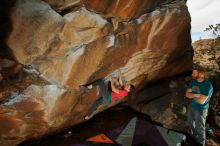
(199,91)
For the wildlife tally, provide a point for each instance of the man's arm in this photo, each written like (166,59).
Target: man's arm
(189,94)
(201,99)
(114,89)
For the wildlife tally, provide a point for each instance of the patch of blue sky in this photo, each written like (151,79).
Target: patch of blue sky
(200,35)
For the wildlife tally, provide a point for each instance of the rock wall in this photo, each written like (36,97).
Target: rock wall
(63,45)
(168,106)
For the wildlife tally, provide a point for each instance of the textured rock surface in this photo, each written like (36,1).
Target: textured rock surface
(60,5)
(62,52)
(121,9)
(165,103)
(118,9)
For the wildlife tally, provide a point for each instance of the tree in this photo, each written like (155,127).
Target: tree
(216,32)
(215,29)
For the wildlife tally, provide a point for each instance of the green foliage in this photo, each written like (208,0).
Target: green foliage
(215,29)
(209,69)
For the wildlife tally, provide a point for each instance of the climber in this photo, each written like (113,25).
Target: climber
(117,92)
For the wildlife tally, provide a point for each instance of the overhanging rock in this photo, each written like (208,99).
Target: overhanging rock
(82,46)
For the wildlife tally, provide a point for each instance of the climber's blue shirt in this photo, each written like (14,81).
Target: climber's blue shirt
(204,88)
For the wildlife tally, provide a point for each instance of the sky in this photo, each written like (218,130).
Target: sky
(203,13)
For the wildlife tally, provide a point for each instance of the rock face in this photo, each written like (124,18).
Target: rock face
(91,41)
(165,103)
(119,9)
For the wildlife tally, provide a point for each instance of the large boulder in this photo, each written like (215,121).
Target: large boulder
(119,9)
(83,46)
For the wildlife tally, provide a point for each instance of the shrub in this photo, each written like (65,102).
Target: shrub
(215,80)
